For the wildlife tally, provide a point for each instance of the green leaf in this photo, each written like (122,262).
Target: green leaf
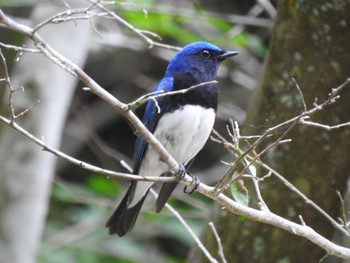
(101,185)
(240,192)
(160,23)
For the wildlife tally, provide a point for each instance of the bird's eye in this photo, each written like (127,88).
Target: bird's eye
(205,53)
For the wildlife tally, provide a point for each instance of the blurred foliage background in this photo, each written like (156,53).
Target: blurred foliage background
(309,41)
(126,66)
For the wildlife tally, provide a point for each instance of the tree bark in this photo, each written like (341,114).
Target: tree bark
(310,42)
(26,172)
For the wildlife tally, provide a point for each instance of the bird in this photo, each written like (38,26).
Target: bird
(182,123)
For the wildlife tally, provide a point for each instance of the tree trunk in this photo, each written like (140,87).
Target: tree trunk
(310,42)
(26,172)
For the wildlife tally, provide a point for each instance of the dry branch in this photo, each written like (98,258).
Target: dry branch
(221,199)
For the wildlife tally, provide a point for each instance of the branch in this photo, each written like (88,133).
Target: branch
(299,119)
(205,15)
(140,33)
(300,93)
(80,163)
(76,71)
(218,241)
(189,230)
(232,149)
(230,205)
(257,157)
(323,126)
(270,218)
(156,94)
(304,197)
(70,15)
(19,49)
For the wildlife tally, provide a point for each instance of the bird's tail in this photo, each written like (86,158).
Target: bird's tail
(164,194)
(123,219)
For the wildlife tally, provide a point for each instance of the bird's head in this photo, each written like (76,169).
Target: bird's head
(200,59)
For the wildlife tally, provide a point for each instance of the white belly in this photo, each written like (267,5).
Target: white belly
(183,133)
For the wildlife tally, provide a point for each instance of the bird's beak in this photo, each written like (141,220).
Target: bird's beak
(226,54)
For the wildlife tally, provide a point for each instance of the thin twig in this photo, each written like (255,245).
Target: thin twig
(230,148)
(70,15)
(18,48)
(24,112)
(343,210)
(218,241)
(6,78)
(304,197)
(7,81)
(301,94)
(106,149)
(261,203)
(138,32)
(230,205)
(323,126)
(80,163)
(207,15)
(76,71)
(160,93)
(267,5)
(188,228)
(333,96)
(257,157)
(235,137)
(302,220)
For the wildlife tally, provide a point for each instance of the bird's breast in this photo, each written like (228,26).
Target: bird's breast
(184,132)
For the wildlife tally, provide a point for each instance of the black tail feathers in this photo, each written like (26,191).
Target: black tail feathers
(164,194)
(123,219)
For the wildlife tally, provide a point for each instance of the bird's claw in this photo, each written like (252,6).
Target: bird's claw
(182,172)
(196,182)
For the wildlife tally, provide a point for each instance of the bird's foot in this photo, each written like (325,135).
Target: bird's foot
(196,182)
(182,172)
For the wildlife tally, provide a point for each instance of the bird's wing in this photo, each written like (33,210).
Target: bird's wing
(150,119)
(124,217)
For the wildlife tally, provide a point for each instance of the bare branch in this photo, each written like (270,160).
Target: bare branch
(275,220)
(80,163)
(6,78)
(304,197)
(19,49)
(73,69)
(301,94)
(230,205)
(343,210)
(231,169)
(22,113)
(247,20)
(323,126)
(261,203)
(288,125)
(268,7)
(138,32)
(302,220)
(160,93)
(292,122)
(218,241)
(189,230)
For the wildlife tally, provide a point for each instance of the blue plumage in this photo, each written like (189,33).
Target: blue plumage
(182,125)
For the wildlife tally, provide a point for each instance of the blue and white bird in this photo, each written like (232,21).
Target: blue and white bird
(182,125)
